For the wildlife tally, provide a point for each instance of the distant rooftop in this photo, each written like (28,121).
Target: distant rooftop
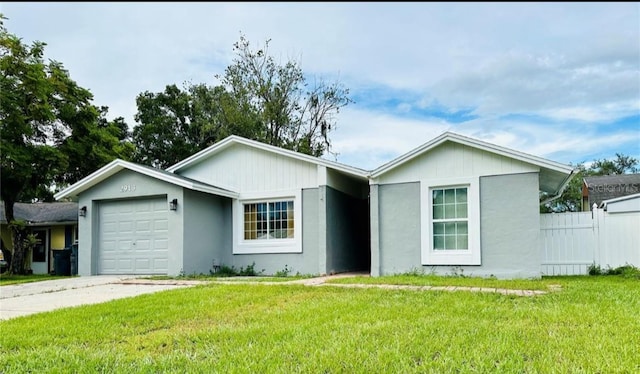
(43,212)
(611,186)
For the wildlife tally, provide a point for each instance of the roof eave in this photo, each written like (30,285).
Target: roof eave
(620,198)
(90,180)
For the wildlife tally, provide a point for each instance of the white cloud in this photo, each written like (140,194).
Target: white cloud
(368,139)
(567,62)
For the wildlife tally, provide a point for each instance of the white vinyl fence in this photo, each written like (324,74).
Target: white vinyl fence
(573,241)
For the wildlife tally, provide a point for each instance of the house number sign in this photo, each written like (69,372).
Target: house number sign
(127,188)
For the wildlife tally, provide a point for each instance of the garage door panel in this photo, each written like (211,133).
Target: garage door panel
(134,237)
(108,245)
(161,263)
(161,244)
(143,227)
(125,264)
(143,245)
(143,264)
(109,227)
(159,206)
(125,227)
(161,224)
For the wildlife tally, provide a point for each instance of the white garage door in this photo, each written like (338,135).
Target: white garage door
(134,237)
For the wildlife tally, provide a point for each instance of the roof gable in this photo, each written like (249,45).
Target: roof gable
(117,165)
(475,143)
(553,175)
(234,139)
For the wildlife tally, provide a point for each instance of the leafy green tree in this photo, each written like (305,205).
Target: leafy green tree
(258,99)
(291,113)
(44,119)
(571,198)
(93,142)
(620,165)
(176,123)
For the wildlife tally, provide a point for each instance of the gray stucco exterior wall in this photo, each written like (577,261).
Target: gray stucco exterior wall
(347,232)
(509,220)
(306,262)
(374,232)
(399,227)
(510,224)
(140,187)
(207,231)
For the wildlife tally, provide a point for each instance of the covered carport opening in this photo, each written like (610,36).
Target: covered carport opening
(348,228)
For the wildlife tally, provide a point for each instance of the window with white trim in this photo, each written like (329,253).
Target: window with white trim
(269,220)
(450,221)
(268,223)
(450,216)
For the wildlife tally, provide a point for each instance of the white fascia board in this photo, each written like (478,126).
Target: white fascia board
(449,136)
(621,198)
(234,139)
(91,180)
(118,165)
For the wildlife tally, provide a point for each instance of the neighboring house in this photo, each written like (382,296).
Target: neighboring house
(53,224)
(595,190)
(622,204)
(455,201)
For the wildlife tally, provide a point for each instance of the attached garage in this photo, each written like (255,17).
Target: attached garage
(137,220)
(133,236)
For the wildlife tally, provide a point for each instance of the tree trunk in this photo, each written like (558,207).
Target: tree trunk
(18,236)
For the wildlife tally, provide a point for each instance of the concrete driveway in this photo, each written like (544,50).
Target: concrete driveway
(30,298)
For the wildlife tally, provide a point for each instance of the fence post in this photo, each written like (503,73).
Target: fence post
(600,250)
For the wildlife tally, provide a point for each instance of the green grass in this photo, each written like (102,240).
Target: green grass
(434,280)
(6,280)
(213,278)
(261,279)
(591,326)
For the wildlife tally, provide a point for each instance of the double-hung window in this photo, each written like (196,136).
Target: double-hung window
(450,218)
(450,222)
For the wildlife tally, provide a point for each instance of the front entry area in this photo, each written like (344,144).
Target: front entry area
(40,254)
(133,236)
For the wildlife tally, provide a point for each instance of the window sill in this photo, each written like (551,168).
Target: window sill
(272,246)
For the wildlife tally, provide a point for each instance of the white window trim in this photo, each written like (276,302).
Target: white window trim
(429,256)
(242,246)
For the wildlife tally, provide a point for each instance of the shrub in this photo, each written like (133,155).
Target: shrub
(284,272)
(249,271)
(595,269)
(414,272)
(627,271)
(224,271)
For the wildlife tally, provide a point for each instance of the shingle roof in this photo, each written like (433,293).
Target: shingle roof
(611,186)
(43,212)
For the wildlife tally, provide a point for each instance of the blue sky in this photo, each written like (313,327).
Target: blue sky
(557,80)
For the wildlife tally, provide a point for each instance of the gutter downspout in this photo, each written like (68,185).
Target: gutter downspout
(562,188)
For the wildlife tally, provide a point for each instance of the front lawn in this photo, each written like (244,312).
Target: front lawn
(6,280)
(543,284)
(591,325)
